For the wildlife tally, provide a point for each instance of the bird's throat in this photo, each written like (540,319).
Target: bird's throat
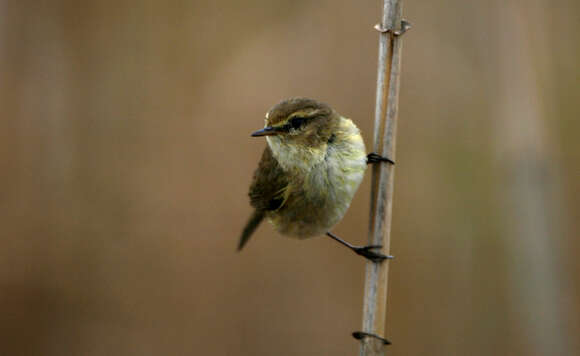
(296,157)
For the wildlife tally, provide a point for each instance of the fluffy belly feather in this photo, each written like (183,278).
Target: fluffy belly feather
(321,192)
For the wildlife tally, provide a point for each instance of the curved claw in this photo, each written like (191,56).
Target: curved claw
(368,247)
(366,252)
(359,335)
(376,158)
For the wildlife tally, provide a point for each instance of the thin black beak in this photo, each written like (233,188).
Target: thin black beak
(266,131)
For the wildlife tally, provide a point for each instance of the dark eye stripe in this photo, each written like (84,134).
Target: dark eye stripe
(295,123)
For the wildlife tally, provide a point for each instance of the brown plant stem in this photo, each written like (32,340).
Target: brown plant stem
(387,99)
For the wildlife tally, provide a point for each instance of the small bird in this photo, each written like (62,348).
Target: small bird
(313,163)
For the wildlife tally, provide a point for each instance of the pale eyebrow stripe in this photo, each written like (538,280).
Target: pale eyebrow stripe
(304,113)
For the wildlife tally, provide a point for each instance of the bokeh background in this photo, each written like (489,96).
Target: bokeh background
(125,160)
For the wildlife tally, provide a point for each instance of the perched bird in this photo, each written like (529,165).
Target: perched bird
(313,164)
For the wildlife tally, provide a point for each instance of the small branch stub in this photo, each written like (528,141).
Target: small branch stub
(405,26)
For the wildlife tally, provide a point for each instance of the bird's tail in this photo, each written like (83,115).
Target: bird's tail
(251,226)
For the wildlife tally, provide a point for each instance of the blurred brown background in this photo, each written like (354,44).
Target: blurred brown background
(125,157)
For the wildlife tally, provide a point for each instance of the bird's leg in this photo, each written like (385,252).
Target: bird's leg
(365,251)
(376,158)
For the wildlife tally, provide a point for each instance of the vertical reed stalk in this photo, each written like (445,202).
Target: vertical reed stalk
(387,100)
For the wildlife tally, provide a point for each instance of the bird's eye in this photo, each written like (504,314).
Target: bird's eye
(297,121)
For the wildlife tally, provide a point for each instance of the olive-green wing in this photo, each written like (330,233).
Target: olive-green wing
(269,187)
(268,191)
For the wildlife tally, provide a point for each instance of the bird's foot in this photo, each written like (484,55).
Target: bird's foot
(376,158)
(359,335)
(366,252)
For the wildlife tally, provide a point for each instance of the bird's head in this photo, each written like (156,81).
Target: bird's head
(300,121)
